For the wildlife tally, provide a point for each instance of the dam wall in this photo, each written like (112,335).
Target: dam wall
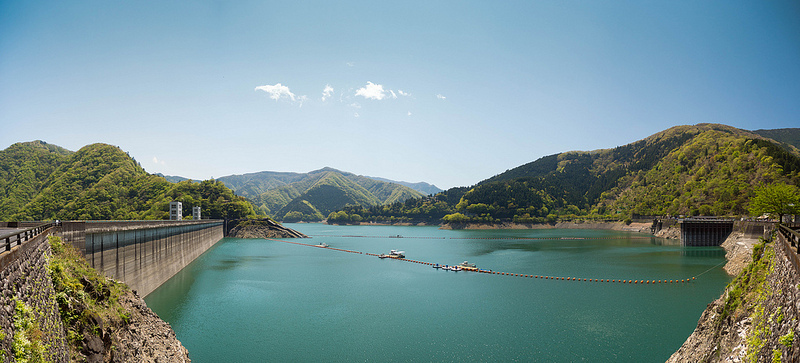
(143,254)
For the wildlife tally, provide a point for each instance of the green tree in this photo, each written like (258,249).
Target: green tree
(775,199)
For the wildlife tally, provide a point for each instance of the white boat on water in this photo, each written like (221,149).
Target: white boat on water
(393,254)
(322,244)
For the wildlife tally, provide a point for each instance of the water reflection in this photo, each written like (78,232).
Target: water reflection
(703,252)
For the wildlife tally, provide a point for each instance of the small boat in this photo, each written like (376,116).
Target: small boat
(322,244)
(455,268)
(393,254)
(436,266)
(468,266)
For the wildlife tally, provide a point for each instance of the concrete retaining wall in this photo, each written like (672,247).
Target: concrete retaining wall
(24,276)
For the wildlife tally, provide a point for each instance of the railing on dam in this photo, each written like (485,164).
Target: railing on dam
(789,240)
(143,254)
(19,236)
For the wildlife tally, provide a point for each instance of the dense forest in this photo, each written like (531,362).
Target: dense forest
(99,182)
(706,169)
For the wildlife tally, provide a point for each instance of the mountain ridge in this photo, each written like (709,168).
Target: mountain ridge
(703,169)
(311,196)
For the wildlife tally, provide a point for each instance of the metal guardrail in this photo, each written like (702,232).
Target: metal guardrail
(792,236)
(791,242)
(18,237)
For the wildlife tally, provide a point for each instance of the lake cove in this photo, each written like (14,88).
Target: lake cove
(250,300)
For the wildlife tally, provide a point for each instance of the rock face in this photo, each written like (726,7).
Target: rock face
(146,338)
(756,317)
(265,228)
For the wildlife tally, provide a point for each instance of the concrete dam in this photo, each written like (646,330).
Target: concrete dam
(143,254)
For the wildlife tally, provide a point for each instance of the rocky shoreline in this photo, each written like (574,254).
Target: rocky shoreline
(146,338)
(265,228)
(757,315)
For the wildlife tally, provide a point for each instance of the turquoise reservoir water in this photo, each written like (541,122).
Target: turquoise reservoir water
(253,300)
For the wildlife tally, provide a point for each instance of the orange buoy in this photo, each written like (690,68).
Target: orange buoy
(692,278)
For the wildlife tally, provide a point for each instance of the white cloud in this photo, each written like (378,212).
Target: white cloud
(400,92)
(277,91)
(327,92)
(156,161)
(302,99)
(355,105)
(356,114)
(372,91)
(409,113)
(439,96)
(393,95)
(350,64)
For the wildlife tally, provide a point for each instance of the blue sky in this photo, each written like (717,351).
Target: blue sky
(447,92)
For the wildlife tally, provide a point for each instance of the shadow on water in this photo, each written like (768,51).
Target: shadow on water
(573,244)
(231,263)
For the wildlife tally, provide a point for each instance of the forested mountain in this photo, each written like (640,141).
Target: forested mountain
(312,196)
(706,169)
(172,178)
(24,167)
(99,181)
(790,136)
(421,187)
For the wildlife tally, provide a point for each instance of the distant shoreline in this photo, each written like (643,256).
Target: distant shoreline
(616,226)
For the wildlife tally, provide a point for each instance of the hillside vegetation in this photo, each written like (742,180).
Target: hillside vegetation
(98,182)
(312,196)
(706,169)
(790,136)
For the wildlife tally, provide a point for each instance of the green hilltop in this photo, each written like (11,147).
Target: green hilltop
(705,169)
(312,196)
(99,182)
